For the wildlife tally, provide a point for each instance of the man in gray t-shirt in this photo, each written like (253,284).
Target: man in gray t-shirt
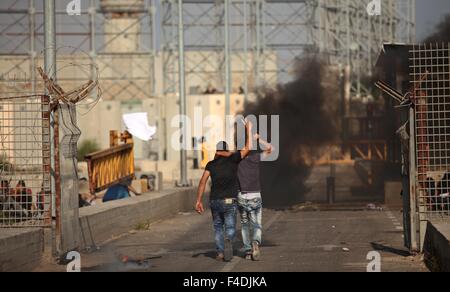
(248,173)
(249,200)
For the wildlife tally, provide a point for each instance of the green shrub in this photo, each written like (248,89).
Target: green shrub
(86,147)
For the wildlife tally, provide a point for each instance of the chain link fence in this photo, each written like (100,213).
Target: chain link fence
(430,75)
(25,151)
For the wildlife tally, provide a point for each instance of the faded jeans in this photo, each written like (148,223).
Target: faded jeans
(224,218)
(251,221)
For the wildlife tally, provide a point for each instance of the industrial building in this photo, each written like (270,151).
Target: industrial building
(232,48)
(232,51)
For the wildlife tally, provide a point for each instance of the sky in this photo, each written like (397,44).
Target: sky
(429,14)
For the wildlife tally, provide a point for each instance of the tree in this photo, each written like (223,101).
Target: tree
(86,147)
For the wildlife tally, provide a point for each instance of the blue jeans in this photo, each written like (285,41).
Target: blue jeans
(224,218)
(251,221)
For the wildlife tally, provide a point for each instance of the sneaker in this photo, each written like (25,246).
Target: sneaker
(228,254)
(256,253)
(248,256)
(219,257)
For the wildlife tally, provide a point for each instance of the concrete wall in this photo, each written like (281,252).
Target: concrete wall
(107,115)
(437,246)
(23,249)
(207,113)
(20,249)
(103,222)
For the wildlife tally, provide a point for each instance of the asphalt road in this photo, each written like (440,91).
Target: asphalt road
(293,241)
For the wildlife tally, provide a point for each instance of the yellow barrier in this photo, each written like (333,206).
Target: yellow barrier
(111,166)
(205,158)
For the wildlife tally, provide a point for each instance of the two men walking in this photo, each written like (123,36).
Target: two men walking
(235,186)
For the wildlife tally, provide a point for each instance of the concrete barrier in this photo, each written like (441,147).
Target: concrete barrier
(437,246)
(21,249)
(103,222)
(392,194)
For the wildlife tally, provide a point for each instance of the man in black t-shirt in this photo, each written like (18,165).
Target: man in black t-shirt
(223,197)
(249,199)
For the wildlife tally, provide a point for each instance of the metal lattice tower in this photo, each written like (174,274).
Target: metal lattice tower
(349,36)
(266,38)
(118,38)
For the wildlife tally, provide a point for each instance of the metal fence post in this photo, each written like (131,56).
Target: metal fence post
(412,180)
(64,178)
(227,56)
(50,70)
(183,139)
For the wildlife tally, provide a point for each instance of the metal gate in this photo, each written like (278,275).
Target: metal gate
(430,75)
(25,191)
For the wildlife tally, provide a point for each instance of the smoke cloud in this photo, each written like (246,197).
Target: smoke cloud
(442,33)
(307,122)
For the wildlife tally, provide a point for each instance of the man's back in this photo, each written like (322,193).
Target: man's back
(224,176)
(248,173)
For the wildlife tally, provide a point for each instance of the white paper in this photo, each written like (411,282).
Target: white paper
(137,125)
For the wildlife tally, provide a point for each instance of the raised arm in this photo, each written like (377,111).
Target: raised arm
(248,140)
(268,148)
(201,190)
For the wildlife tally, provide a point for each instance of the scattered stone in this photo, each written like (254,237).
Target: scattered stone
(373,207)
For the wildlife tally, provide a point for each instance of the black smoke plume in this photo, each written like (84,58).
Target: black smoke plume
(306,123)
(442,33)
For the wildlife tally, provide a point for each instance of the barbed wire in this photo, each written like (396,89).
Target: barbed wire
(87,94)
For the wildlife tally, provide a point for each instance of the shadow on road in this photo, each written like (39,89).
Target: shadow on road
(381,247)
(208,254)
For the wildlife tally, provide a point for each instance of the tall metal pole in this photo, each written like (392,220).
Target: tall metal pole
(412,181)
(153,68)
(262,62)
(348,33)
(50,69)
(320,10)
(50,61)
(369,32)
(32,15)
(358,54)
(183,157)
(227,57)
(92,44)
(50,39)
(391,20)
(246,57)
(258,42)
(412,24)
